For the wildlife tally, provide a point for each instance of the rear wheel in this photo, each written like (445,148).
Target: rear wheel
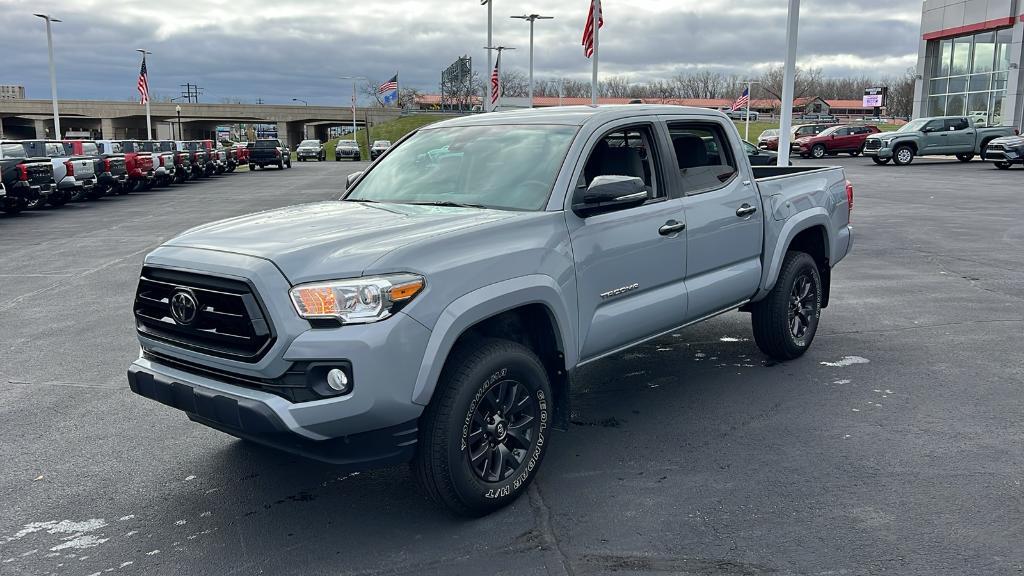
(879,161)
(965,157)
(903,155)
(483,436)
(57,199)
(786,321)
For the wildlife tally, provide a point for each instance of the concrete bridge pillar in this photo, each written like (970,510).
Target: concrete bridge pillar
(107,128)
(41,127)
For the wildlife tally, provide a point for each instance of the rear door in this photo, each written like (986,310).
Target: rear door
(725,229)
(962,135)
(629,263)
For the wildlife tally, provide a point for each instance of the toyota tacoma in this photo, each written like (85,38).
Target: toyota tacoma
(435,312)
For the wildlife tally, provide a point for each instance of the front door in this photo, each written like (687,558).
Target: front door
(724,217)
(936,137)
(630,262)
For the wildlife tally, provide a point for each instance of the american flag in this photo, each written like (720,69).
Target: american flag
(143,82)
(588,30)
(743,100)
(388,86)
(496,81)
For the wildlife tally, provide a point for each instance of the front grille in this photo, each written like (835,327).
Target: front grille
(995,147)
(872,144)
(229,320)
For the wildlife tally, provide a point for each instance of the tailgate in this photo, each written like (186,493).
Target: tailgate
(39,173)
(84,168)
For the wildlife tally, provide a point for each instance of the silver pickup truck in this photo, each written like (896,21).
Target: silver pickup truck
(75,176)
(436,312)
(944,135)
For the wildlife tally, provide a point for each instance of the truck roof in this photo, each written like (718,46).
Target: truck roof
(575,115)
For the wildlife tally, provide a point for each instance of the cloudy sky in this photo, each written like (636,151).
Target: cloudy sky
(283,49)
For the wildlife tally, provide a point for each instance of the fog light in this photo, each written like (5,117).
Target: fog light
(337,380)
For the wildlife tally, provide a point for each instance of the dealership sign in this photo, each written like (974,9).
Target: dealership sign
(874,97)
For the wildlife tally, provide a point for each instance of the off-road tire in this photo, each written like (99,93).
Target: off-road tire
(965,157)
(474,371)
(773,319)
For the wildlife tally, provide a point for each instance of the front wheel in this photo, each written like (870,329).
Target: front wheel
(965,157)
(786,320)
(818,151)
(856,152)
(1003,165)
(485,433)
(903,156)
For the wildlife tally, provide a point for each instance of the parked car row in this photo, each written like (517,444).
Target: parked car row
(34,173)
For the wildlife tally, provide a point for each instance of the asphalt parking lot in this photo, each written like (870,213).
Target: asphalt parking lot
(895,446)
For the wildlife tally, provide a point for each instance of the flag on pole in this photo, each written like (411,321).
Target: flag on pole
(389,90)
(496,80)
(143,84)
(588,29)
(742,101)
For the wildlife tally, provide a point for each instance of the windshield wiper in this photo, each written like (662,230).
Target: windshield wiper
(360,200)
(448,203)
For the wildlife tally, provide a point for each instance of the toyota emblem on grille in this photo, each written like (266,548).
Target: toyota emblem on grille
(184,306)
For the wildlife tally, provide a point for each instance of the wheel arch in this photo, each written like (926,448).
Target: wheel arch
(808,232)
(528,310)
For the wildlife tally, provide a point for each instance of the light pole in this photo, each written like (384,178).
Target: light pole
(53,72)
(788,79)
(300,100)
(531,18)
(353,79)
(177,110)
(149,124)
(490,42)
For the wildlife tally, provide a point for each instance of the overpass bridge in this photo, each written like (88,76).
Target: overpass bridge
(122,120)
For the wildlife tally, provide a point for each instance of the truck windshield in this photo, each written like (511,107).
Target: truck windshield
(12,151)
(914,125)
(310,143)
(507,167)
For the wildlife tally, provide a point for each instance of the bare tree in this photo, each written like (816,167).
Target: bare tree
(901,93)
(514,84)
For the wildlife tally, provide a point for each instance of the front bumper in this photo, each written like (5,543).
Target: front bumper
(885,151)
(1010,156)
(266,421)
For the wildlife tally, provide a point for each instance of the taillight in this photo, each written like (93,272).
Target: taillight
(70,167)
(277,152)
(23,172)
(849,196)
(106,164)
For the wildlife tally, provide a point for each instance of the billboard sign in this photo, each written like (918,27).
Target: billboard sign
(874,97)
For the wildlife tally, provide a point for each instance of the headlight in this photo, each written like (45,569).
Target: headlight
(358,300)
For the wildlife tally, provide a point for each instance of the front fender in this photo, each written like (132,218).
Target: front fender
(484,303)
(801,221)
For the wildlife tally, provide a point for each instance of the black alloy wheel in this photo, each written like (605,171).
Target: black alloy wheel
(502,431)
(802,306)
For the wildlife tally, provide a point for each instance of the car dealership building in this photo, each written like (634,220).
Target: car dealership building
(969,60)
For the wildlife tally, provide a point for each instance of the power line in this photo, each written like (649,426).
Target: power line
(191,92)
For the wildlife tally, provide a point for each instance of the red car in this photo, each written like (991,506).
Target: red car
(834,140)
(769,139)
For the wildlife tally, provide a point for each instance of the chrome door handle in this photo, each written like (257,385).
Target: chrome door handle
(745,210)
(671,227)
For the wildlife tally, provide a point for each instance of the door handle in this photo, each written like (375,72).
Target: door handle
(745,210)
(671,227)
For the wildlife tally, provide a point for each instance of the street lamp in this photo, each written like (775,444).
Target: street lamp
(149,124)
(353,79)
(177,110)
(531,18)
(300,100)
(53,72)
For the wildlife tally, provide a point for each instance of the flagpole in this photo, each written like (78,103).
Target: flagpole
(788,79)
(746,129)
(398,93)
(149,124)
(596,7)
(490,63)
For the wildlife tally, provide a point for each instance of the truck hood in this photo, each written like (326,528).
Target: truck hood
(329,240)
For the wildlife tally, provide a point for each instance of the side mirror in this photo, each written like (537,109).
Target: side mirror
(833,136)
(352,178)
(609,193)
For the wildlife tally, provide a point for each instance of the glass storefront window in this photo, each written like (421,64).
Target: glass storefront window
(996,108)
(957,84)
(937,106)
(999,81)
(961,55)
(977,104)
(1003,39)
(979,82)
(955,105)
(945,54)
(984,52)
(938,86)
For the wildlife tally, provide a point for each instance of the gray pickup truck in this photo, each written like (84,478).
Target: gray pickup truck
(940,136)
(436,312)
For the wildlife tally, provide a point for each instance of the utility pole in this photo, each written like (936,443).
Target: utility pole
(53,72)
(532,18)
(353,79)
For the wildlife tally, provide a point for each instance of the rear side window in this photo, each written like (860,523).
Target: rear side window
(957,124)
(54,150)
(703,155)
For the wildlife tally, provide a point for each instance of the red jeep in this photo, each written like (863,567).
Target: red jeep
(834,140)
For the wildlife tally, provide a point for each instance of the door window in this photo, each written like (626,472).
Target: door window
(703,155)
(624,152)
(957,124)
